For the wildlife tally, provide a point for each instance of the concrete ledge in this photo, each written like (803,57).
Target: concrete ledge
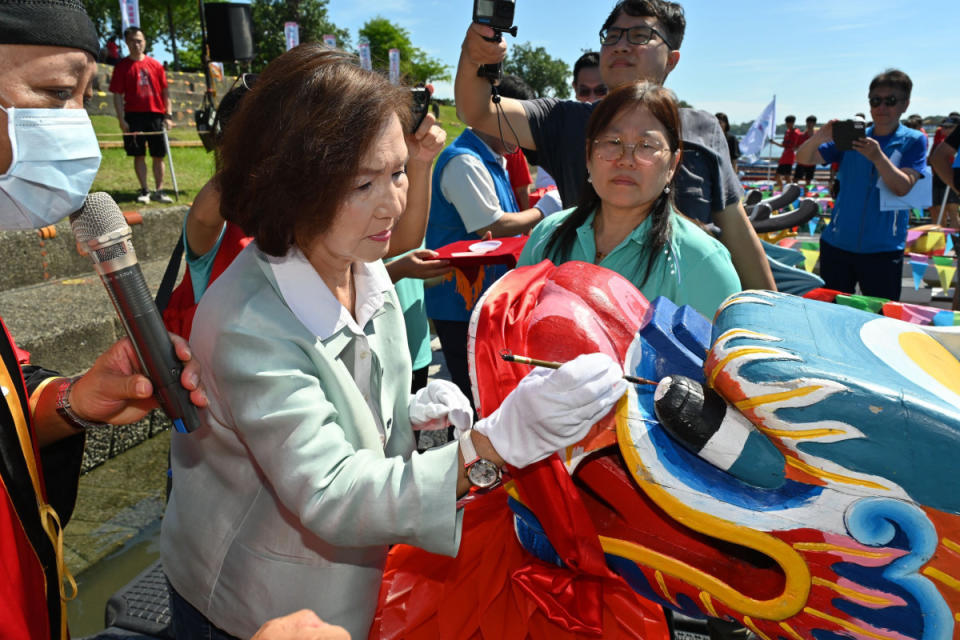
(30,258)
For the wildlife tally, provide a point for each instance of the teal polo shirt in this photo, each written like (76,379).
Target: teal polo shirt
(693,268)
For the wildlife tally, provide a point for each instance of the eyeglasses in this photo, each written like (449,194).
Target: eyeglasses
(585,92)
(635,35)
(876,101)
(245,80)
(612,149)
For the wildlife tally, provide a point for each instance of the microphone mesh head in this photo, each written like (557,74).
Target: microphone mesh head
(98,216)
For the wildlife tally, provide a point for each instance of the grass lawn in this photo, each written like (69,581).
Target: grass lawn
(193,165)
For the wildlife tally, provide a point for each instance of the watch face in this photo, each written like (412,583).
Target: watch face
(483,474)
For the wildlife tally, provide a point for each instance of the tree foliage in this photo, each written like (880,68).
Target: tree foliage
(175,23)
(311,15)
(546,75)
(415,65)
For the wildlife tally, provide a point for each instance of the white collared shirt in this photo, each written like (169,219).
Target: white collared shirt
(312,302)
(466,183)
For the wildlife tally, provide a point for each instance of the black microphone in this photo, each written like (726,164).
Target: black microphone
(100,228)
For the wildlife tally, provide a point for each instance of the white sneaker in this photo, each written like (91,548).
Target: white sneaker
(144,197)
(160,196)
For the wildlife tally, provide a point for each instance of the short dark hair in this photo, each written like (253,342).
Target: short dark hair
(129,31)
(513,86)
(662,104)
(914,121)
(790,118)
(893,79)
(668,14)
(293,147)
(587,60)
(812,119)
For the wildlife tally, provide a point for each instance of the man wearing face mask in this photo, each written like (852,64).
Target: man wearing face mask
(48,159)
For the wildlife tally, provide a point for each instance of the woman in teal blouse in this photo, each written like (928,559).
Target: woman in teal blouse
(626,220)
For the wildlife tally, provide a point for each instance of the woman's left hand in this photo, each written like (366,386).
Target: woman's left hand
(115,391)
(427,141)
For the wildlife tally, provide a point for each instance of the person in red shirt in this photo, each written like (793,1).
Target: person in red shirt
(806,171)
(791,140)
(142,102)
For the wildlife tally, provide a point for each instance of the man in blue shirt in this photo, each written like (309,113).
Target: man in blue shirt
(863,244)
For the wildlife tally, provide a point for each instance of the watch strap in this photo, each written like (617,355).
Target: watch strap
(65,410)
(468,449)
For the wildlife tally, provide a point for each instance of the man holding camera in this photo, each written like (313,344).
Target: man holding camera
(640,41)
(864,242)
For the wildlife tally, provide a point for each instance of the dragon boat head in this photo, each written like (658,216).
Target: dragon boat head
(792,471)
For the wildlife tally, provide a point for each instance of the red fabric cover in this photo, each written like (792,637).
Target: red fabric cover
(141,83)
(476,595)
(23,604)
(507,253)
(178,316)
(494,588)
(536,194)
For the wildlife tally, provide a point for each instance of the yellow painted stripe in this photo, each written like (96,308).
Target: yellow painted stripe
(852,593)
(748,623)
(663,588)
(790,630)
(836,477)
(780,396)
(849,626)
(950,544)
(804,434)
(733,356)
(708,604)
(945,578)
(826,546)
(797,583)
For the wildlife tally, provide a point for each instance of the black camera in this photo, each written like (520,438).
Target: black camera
(498,15)
(846,131)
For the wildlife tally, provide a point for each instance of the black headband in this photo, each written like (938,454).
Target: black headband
(57,23)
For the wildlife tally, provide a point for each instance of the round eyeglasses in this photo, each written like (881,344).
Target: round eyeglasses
(612,149)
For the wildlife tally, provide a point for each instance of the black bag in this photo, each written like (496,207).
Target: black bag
(205,117)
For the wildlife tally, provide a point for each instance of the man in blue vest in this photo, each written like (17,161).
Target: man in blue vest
(863,244)
(471,198)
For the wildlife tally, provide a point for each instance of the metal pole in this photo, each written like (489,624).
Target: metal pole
(173,174)
(943,205)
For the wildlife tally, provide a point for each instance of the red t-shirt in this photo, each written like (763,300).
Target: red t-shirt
(141,83)
(804,136)
(791,140)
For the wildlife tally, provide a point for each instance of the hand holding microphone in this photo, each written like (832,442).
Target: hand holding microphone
(112,391)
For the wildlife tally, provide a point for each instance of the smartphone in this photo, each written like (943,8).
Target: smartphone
(421,104)
(846,131)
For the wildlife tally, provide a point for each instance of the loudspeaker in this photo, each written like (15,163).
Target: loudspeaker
(229,31)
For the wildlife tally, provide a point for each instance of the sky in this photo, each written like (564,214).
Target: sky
(816,56)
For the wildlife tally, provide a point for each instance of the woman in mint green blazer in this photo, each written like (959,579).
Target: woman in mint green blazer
(304,471)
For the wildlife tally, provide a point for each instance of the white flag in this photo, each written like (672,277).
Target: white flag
(365,63)
(330,41)
(291,34)
(129,14)
(394,66)
(762,129)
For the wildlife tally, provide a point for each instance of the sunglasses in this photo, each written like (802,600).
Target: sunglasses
(876,101)
(599,91)
(635,35)
(245,80)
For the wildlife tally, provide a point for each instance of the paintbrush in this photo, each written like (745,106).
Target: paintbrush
(510,357)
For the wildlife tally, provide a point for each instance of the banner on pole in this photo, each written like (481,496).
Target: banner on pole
(330,40)
(291,34)
(394,66)
(129,14)
(365,63)
(762,129)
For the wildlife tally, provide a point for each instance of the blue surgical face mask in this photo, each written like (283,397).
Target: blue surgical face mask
(54,159)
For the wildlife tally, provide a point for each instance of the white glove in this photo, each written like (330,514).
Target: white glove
(549,203)
(438,405)
(553,408)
